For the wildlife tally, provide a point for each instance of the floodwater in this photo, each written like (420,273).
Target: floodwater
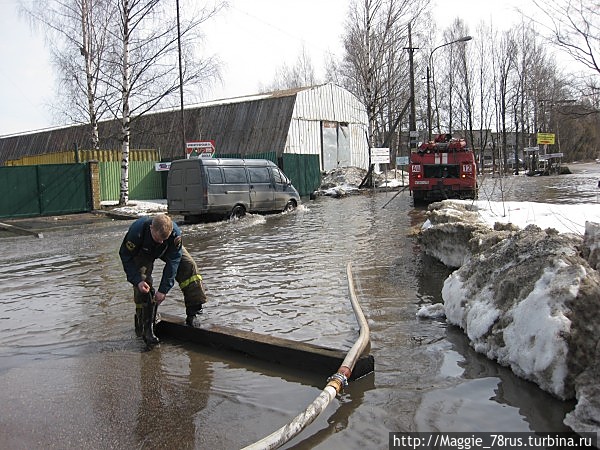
(73,374)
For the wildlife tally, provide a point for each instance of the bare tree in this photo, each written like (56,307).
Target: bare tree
(145,57)
(485,88)
(301,74)
(77,33)
(374,66)
(505,64)
(573,26)
(457,81)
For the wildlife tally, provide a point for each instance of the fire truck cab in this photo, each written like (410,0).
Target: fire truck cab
(442,169)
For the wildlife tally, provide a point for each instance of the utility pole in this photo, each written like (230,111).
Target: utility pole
(412,119)
(180,82)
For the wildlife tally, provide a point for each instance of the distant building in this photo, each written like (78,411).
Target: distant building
(304,130)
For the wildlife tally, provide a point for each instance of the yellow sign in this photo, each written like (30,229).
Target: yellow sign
(545,138)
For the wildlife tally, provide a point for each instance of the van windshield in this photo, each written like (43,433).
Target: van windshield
(280,178)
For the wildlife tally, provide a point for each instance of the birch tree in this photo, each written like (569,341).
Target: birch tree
(485,88)
(145,58)
(78,36)
(505,64)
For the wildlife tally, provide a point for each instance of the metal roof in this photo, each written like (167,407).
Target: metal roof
(241,126)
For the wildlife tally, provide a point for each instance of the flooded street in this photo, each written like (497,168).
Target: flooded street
(74,375)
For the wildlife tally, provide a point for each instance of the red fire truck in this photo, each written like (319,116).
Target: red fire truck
(442,168)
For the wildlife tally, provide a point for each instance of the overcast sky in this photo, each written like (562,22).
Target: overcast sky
(252,38)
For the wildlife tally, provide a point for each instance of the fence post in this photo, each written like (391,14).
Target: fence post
(94,177)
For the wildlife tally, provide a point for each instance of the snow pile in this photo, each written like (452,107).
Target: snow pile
(138,207)
(346,180)
(340,182)
(514,302)
(563,218)
(591,241)
(528,298)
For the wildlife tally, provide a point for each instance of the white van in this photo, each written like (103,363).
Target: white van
(204,188)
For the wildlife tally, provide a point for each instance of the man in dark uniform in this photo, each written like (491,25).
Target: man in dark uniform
(148,239)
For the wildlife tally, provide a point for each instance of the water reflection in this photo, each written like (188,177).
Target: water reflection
(174,388)
(469,405)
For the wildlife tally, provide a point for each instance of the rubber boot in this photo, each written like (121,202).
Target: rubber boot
(191,313)
(138,320)
(148,314)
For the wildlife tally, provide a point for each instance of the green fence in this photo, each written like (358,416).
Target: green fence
(145,183)
(304,171)
(53,189)
(48,189)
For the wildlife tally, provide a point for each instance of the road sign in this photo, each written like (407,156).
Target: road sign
(401,160)
(548,156)
(380,155)
(545,138)
(200,149)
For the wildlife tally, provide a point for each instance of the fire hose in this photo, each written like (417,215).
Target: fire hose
(334,386)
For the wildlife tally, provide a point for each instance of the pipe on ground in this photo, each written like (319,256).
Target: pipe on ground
(334,386)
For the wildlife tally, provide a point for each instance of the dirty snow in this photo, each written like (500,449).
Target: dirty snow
(344,181)
(526,291)
(563,218)
(138,207)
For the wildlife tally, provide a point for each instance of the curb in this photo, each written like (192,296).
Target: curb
(20,231)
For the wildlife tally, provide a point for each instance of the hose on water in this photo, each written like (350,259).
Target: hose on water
(334,386)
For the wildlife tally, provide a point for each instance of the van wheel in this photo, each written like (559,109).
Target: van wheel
(289,206)
(237,212)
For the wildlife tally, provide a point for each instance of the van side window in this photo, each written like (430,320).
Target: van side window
(277,176)
(235,175)
(259,175)
(214,175)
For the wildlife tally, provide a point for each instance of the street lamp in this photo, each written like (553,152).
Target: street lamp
(462,39)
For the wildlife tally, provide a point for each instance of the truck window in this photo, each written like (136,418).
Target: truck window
(235,175)
(214,175)
(259,175)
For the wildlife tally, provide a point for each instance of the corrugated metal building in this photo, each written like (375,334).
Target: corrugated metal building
(326,122)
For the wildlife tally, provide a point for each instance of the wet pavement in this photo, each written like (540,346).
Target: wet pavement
(73,374)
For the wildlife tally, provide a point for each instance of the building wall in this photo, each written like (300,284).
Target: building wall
(329,103)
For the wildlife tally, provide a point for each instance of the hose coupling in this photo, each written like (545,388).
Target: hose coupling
(339,381)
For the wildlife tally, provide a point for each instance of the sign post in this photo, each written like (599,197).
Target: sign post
(545,138)
(380,156)
(199,149)
(402,161)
